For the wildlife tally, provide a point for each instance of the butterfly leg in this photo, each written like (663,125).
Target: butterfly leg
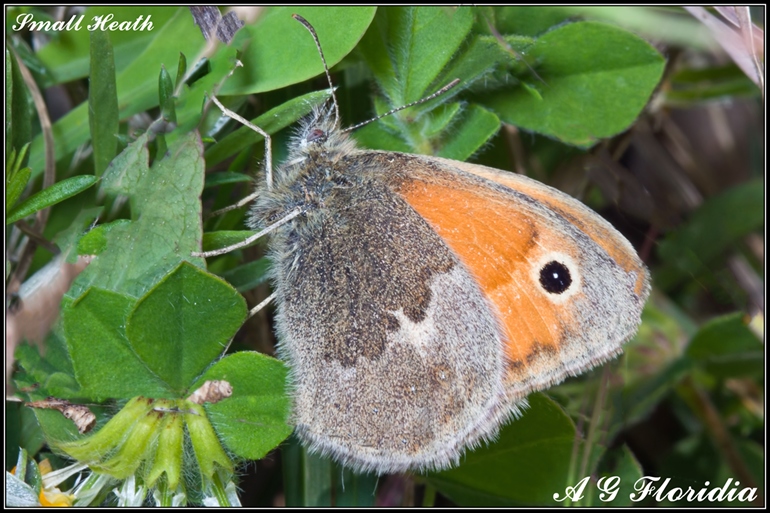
(285,219)
(268,146)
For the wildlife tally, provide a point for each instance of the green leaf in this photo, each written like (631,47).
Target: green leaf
(529,20)
(410,58)
(166,213)
(527,463)
(105,364)
(54,194)
(306,476)
(420,42)
(281,52)
(467,131)
(377,137)
(692,87)
(477,127)
(726,347)
(311,480)
(228,177)
(15,179)
(254,420)
(137,60)
(183,323)
(53,373)
(712,230)
(597,80)
(247,276)
(102,101)
(95,241)
(651,370)
(477,59)
(166,90)
(8,100)
(34,477)
(441,118)
(69,237)
(18,120)
(181,70)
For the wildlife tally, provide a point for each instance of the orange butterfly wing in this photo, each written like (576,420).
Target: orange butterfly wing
(505,228)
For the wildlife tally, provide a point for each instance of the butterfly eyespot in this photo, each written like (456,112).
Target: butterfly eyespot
(555,277)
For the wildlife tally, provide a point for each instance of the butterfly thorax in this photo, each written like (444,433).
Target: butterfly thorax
(316,174)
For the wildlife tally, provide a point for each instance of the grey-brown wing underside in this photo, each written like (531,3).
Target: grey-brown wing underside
(395,354)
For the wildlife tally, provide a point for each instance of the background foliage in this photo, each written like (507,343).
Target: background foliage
(666,141)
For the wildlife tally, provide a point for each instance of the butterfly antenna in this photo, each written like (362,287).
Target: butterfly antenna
(310,29)
(441,91)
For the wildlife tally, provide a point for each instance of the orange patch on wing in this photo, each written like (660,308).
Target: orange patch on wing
(602,234)
(498,250)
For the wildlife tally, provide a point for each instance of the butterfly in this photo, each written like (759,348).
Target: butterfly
(419,300)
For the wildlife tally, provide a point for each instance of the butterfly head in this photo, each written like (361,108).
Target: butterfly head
(319,133)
